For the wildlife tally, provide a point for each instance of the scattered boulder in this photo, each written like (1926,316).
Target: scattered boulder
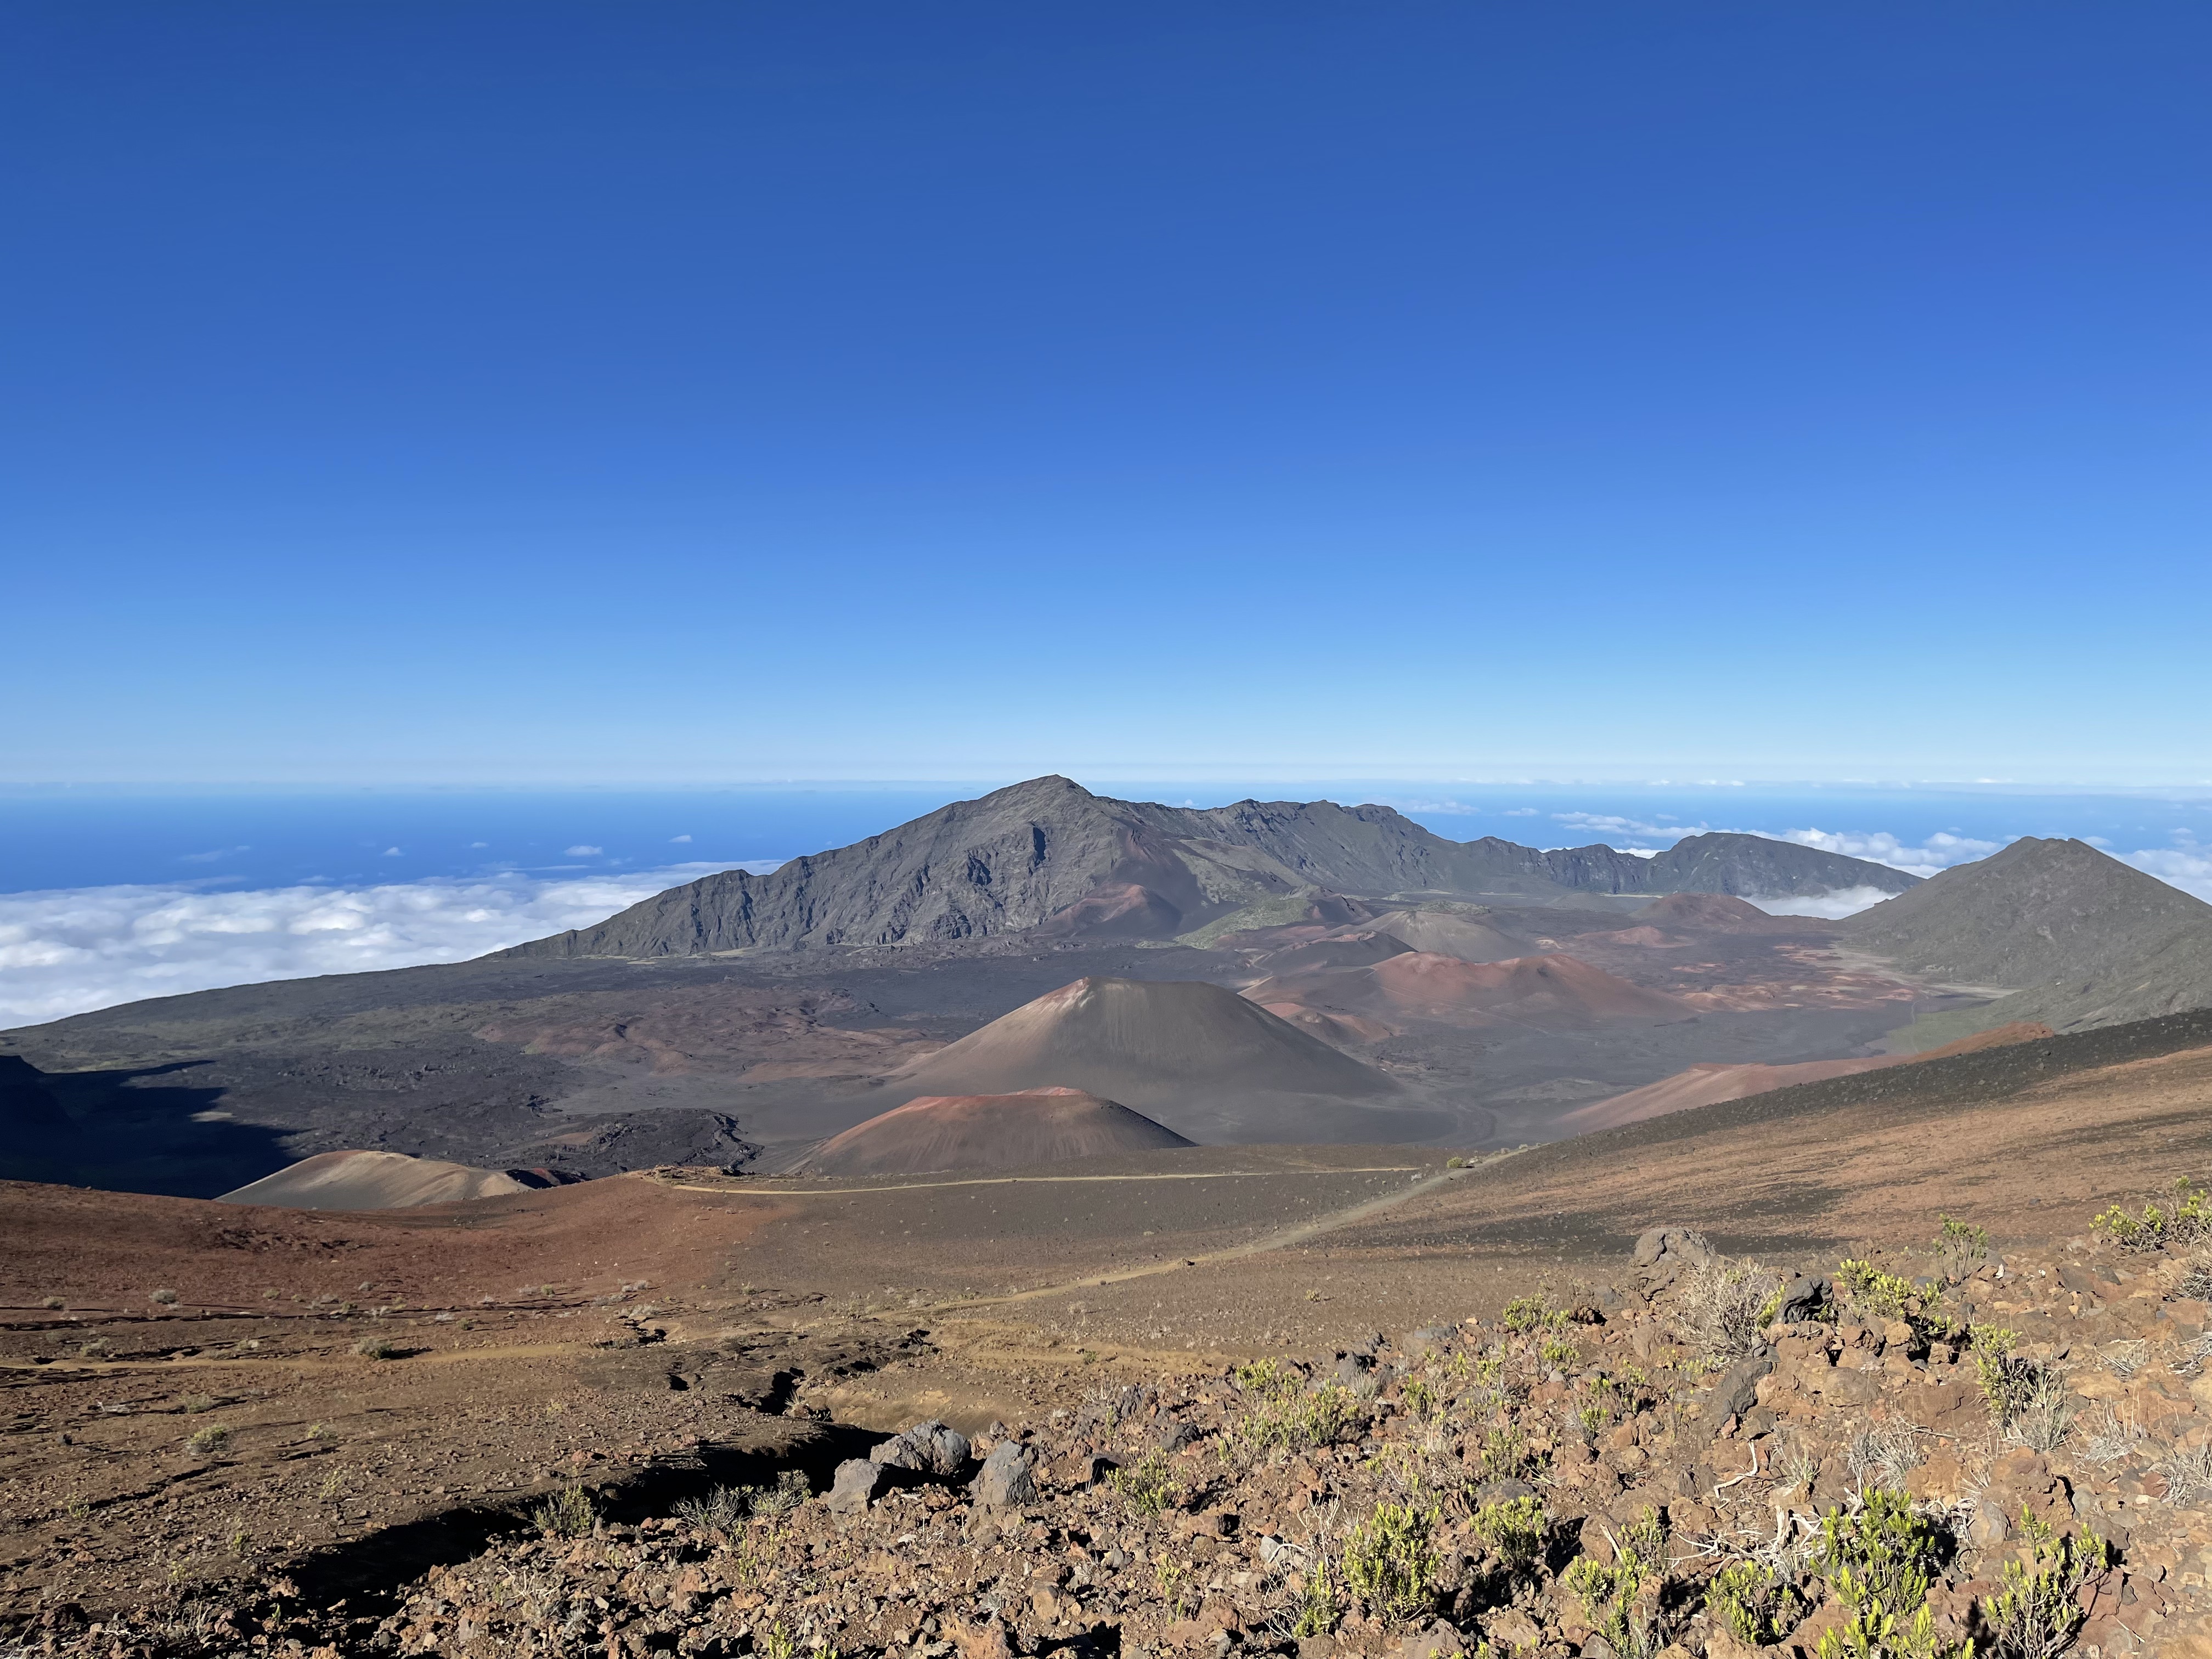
(1438,1641)
(1663,1254)
(1007,1479)
(856,1485)
(1734,1393)
(931,1448)
(1172,1438)
(1802,1298)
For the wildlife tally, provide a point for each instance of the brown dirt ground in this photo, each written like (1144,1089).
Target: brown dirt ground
(671,1326)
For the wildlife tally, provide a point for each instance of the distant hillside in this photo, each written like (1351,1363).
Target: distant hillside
(2083,940)
(988,1132)
(1049,855)
(373,1181)
(1200,1059)
(1551,992)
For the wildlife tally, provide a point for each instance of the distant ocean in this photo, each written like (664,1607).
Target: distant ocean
(107,896)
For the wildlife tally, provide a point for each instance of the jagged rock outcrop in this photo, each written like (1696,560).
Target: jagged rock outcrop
(1048,854)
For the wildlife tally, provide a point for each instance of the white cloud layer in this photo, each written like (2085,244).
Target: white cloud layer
(1609,823)
(2188,868)
(1834,904)
(65,952)
(1939,852)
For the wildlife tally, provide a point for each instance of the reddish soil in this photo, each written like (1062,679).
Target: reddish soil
(1709,1085)
(989,1132)
(1706,1086)
(883,1300)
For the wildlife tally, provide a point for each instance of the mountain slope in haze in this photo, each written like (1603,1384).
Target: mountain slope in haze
(2083,938)
(988,1132)
(1048,854)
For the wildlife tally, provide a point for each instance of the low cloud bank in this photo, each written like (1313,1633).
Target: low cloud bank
(1834,905)
(2188,868)
(69,952)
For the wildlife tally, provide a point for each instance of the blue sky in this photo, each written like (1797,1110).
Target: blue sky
(480,393)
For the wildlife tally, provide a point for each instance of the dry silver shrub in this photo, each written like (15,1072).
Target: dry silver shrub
(1720,1306)
(2196,1281)
(2124,1359)
(1888,1452)
(2188,1474)
(2110,1435)
(2043,1421)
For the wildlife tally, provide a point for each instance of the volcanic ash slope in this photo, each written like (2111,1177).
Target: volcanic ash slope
(1546,991)
(372,1180)
(1201,1058)
(989,1132)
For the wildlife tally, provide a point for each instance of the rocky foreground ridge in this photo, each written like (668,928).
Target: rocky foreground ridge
(1703,1457)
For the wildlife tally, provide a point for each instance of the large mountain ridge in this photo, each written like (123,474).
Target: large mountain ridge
(2079,938)
(1049,855)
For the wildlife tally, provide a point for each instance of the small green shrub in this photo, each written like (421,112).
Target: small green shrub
(194,1404)
(1559,1354)
(569,1513)
(1526,1314)
(207,1440)
(1754,1602)
(1868,1289)
(1960,1247)
(1609,1402)
(1145,1487)
(375,1347)
(2157,1227)
(1390,1561)
(1266,1377)
(1506,1453)
(165,1298)
(1319,1607)
(1612,1594)
(53,1304)
(1294,1421)
(2022,1394)
(2035,1615)
(1423,1399)
(1884,1636)
(1514,1529)
(1879,1562)
(790,1490)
